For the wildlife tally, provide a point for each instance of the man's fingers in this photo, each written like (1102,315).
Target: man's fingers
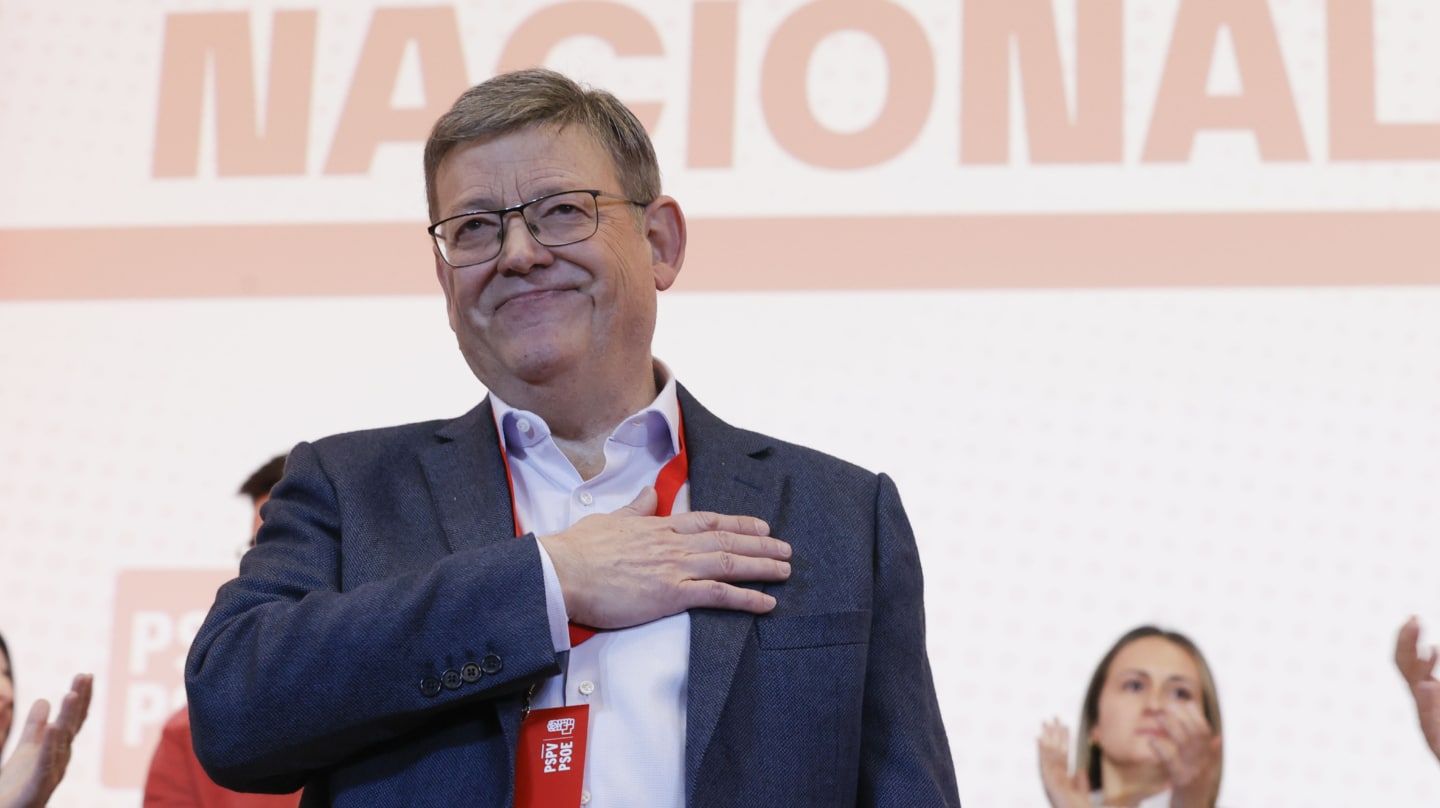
(720,595)
(711,522)
(629,566)
(739,544)
(723,566)
(644,503)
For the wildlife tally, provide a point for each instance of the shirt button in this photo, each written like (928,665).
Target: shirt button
(586,688)
(586,498)
(584,797)
(523,425)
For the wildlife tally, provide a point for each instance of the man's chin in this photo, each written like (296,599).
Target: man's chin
(532,364)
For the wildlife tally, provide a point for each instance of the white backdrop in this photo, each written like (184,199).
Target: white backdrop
(1254,465)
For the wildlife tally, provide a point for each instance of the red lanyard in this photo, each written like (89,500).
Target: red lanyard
(667,485)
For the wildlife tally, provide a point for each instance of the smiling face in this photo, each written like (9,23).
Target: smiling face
(1147,677)
(578,316)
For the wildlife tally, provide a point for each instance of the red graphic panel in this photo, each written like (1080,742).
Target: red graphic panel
(157,613)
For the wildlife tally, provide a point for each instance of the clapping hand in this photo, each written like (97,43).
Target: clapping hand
(1063,788)
(39,760)
(1419,673)
(1190,753)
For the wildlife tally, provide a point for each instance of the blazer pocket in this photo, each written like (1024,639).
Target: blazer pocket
(814,630)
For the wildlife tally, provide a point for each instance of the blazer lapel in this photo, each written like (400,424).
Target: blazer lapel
(727,475)
(466,474)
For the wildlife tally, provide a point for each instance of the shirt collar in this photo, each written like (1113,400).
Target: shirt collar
(654,425)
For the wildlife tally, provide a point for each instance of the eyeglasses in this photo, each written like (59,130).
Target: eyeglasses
(554,220)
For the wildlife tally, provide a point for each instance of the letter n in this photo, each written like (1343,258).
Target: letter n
(199,45)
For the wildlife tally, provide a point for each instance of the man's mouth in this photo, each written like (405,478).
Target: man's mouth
(530,296)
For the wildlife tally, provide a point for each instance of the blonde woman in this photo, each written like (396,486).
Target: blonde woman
(1149,733)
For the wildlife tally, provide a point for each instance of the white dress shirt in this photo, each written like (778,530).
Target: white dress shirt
(633,679)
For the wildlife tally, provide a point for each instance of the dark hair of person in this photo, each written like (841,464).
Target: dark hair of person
(1088,753)
(10,674)
(536,97)
(258,484)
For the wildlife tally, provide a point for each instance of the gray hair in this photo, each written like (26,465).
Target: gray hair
(539,97)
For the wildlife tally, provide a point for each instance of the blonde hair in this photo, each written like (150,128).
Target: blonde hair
(1087,752)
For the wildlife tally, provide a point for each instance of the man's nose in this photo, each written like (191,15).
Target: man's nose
(519,251)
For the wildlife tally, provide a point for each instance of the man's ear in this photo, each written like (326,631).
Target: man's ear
(665,230)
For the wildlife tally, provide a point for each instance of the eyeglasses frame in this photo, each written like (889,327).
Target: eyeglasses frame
(594,193)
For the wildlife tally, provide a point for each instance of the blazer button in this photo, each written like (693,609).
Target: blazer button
(450,678)
(471,673)
(429,687)
(491,664)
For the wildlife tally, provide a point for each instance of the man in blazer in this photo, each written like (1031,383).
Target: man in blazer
(401,623)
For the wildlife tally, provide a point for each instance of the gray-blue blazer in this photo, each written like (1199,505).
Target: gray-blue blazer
(379,640)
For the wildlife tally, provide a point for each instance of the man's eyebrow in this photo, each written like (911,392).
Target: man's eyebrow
(475,204)
(486,204)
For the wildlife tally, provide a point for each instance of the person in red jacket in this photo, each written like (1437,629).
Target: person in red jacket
(175,777)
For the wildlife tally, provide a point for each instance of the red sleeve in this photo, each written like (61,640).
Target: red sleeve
(177,781)
(171,781)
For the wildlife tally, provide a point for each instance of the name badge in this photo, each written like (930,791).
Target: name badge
(550,764)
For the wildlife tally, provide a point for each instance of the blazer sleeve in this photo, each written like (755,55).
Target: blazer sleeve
(905,758)
(311,654)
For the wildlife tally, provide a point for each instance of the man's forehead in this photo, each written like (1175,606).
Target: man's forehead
(515,167)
